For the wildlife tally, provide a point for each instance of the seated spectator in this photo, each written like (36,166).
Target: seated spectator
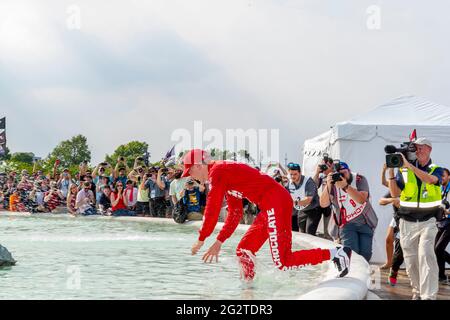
(119,202)
(88,178)
(131,193)
(14,201)
(53,198)
(104,202)
(103,181)
(191,198)
(85,202)
(72,199)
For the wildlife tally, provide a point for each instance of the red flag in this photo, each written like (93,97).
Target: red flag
(413,136)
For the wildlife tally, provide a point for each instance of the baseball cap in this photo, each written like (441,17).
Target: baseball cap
(344,165)
(423,141)
(195,156)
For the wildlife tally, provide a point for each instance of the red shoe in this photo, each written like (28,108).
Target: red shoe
(392,280)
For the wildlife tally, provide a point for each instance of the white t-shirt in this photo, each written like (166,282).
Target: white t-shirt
(176,186)
(81,196)
(127,194)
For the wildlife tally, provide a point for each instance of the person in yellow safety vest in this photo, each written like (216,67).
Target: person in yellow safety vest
(418,186)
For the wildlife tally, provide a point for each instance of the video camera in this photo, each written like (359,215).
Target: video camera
(393,157)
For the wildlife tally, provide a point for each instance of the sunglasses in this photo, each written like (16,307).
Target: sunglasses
(293,166)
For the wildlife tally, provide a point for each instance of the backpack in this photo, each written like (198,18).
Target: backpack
(180,212)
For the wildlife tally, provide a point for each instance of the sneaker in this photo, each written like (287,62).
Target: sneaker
(392,279)
(341,260)
(416,297)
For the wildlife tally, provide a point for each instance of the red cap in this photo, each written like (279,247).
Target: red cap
(195,156)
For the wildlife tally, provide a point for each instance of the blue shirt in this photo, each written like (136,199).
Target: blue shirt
(154,191)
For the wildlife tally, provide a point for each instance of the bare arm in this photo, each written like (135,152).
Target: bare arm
(384,182)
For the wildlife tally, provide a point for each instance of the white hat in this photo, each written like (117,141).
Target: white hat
(423,141)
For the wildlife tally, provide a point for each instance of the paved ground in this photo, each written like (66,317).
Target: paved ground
(402,291)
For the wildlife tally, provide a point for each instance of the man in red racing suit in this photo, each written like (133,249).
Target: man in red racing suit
(236,181)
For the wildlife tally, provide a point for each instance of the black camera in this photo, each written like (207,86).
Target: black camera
(394,158)
(336,176)
(326,159)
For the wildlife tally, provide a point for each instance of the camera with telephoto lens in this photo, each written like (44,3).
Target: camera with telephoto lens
(394,158)
(336,176)
(326,159)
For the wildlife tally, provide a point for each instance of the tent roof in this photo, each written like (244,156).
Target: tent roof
(406,110)
(393,122)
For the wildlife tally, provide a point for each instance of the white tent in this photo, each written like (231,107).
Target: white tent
(360,142)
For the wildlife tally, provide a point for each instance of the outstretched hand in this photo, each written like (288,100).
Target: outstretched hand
(196,247)
(213,252)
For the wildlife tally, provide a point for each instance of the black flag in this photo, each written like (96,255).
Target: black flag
(2,138)
(2,123)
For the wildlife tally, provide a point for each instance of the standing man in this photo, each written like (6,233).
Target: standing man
(237,181)
(418,186)
(305,212)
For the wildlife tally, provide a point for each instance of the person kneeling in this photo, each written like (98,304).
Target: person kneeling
(191,199)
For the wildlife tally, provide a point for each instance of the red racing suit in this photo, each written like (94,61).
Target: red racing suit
(236,181)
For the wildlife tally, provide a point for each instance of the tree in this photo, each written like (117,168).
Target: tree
(129,151)
(71,152)
(25,157)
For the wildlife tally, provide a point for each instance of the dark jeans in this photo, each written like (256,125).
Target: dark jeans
(442,240)
(308,221)
(397,259)
(295,221)
(143,208)
(358,237)
(90,212)
(158,207)
(123,213)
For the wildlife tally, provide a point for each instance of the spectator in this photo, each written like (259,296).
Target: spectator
(320,178)
(305,213)
(14,201)
(131,193)
(119,202)
(163,180)
(418,186)
(88,178)
(85,202)
(72,199)
(65,182)
(443,235)
(53,198)
(177,186)
(105,201)
(139,176)
(352,210)
(120,172)
(156,195)
(191,199)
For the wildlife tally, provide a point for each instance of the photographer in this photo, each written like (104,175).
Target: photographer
(163,180)
(418,185)
(140,177)
(64,182)
(320,178)
(120,171)
(156,194)
(348,192)
(305,213)
(191,199)
(443,235)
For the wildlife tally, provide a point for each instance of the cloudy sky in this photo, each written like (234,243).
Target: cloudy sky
(138,70)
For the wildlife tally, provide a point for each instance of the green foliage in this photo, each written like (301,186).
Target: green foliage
(70,152)
(25,157)
(129,151)
(6,156)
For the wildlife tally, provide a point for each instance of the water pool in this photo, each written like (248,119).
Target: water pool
(102,258)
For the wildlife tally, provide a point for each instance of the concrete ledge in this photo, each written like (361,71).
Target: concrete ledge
(352,287)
